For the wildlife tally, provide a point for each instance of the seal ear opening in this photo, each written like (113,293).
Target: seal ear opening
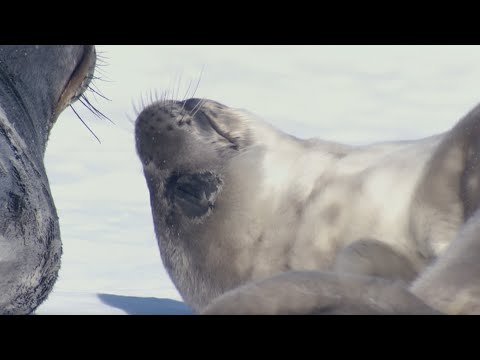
(193,194)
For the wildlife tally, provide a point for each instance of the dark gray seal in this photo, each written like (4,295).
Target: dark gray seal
(235,201)
(319,293)
(36,84)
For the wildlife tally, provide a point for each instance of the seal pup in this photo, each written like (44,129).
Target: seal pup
(36,84)
(235,200)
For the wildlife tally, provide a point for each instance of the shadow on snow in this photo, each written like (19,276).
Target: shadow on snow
(133,305)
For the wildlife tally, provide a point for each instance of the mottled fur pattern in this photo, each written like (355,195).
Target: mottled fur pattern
(384,211)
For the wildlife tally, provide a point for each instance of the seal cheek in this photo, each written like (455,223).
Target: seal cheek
(193,194)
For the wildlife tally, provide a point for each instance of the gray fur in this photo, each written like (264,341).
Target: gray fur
(374,258)
(319,293)
(36,84)
(285,204)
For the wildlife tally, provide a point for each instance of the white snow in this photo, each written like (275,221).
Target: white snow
(353,94)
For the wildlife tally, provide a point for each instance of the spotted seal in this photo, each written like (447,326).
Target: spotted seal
(235,201)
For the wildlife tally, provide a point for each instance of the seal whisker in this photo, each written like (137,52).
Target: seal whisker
(101,71)
(96,92)
(165,100)
(90,105)
(83,122)
(94,95)
(198,82)
(93,109)
(135,109)
(150,95)
(195,90)
(101,53)
(170,101)
(186,93)
(99,78)
(102,57)
(142,101)
(93,84)
(184,102)
(101,63)
(201,103)
(172,97)
(197,107)
(161,101)
(179,84)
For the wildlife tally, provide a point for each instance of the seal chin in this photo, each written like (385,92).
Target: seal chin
(78,82)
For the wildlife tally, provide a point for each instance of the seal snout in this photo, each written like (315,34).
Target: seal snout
(165,129)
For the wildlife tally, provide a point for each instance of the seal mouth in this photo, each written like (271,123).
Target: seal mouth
(79,80)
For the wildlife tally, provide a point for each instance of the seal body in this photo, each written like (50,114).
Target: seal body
(36,84)
(235,200)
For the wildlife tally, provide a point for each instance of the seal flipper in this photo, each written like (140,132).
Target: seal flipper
(374,258)
(319,293)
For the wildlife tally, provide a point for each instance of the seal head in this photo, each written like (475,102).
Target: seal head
(36,84)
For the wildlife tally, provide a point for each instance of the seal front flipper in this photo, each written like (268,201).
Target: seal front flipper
(319,293)
(374,258)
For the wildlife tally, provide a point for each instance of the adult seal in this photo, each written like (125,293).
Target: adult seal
(243,210)
(36,84)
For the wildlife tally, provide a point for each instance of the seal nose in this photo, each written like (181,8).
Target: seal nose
(156,130)
(150,119)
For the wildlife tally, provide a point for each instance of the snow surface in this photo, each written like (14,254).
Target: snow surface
(353,94)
